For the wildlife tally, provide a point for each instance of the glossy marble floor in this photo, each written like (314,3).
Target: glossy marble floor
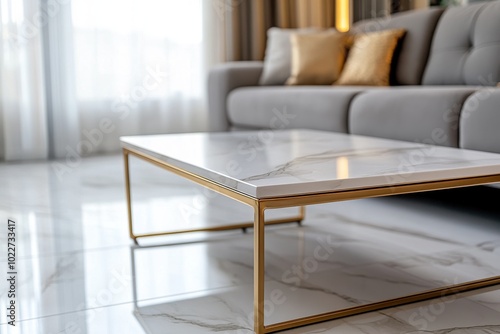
(79,272)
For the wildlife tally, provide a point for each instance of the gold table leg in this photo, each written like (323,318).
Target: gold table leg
(259,269)
(127,192)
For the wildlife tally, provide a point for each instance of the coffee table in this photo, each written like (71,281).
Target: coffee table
(295,168)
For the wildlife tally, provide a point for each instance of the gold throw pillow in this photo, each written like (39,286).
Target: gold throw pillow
(370,58)
(317,58)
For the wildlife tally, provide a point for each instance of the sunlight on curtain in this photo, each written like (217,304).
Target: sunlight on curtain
(140,66)
(23,127)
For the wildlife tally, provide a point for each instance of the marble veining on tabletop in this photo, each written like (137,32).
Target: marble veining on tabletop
(294,162)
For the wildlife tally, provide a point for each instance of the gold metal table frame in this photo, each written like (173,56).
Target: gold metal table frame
(261,204)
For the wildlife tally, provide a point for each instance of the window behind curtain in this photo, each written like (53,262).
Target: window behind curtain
(141,64)
(118,42)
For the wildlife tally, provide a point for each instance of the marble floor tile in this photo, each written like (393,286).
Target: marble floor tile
(80,273)
(221,312)
(217,312)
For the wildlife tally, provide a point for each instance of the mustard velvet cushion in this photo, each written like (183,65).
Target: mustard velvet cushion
(370,58)
(317,58)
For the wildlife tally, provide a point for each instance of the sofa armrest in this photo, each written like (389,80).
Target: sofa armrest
(479,121)
(222,79)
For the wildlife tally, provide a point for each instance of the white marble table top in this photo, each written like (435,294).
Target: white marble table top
(273,163)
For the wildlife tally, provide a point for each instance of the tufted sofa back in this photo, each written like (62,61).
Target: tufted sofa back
(466,47)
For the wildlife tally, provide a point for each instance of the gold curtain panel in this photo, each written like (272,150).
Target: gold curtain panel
(246,22)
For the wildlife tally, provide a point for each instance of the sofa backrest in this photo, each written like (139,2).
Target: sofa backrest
(466,47)
(414,50)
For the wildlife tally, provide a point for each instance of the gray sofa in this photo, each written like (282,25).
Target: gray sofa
(444,93)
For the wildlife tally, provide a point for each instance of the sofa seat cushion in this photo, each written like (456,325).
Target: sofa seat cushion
(311,107)
(479,121)
(427,115)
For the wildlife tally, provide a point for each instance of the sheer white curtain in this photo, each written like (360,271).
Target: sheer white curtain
(140,67)
(23,127)
(76,75)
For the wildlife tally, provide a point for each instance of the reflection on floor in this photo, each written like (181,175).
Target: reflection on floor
(80,273)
